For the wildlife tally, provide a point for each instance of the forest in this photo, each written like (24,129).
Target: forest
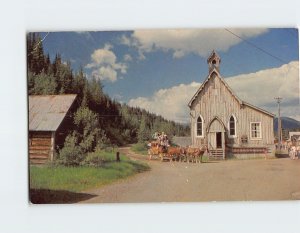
(99,121)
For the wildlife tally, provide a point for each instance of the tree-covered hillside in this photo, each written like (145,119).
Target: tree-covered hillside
(287,123)
(99,120)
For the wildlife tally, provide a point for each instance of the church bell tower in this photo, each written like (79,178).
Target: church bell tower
(213,61)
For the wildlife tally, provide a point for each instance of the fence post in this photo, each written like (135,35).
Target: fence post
(118,156)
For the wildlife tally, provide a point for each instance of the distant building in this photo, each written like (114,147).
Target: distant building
(285,134)
(294,136)
(225,123)
(182,141)
(49,123)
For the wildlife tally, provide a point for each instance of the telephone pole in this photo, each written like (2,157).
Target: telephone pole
(279,122)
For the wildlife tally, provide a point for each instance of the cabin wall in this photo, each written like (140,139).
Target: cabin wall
(215,100)
(40,147)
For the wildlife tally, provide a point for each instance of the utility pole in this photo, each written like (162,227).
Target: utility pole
(279,122)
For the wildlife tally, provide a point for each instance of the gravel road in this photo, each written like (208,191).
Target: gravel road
(235,180)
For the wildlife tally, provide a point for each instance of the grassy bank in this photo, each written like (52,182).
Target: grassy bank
(140,148)
(59,184)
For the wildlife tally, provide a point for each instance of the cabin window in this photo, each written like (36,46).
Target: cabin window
(200,126)
(232,126)
(255,128)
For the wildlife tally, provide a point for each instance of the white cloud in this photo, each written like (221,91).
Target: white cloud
(86,34)
(127,57)
(258,88)
(104,64)
(170,103)
(126,40)
(105,73)
(184,41)
(102,56)
(108,46)
(261,87)
(178,54)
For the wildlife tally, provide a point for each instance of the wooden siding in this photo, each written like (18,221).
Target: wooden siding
(44,143)
(215,100)
(40,147)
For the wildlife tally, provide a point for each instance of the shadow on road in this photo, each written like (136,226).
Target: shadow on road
(47,196)
(282,156)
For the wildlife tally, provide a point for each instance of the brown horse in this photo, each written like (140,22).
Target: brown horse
(195,154)
(175,152)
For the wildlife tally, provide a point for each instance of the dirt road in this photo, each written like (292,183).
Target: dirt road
(238,180)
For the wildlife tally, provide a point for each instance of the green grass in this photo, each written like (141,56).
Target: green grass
(76,179)
(205,159)
(140,148)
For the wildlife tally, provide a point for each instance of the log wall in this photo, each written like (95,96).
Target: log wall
(40,147)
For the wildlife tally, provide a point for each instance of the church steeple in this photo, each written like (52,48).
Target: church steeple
(213,61)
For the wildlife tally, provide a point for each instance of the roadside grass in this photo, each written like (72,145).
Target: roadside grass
(60,184)
(205,159)
(140,148)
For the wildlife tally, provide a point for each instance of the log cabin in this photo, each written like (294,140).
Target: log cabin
(49,123)
(228,126)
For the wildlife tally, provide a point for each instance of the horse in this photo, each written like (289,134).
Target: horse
(195,154)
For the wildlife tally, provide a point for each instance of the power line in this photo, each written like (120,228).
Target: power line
(260,49)
(41,41)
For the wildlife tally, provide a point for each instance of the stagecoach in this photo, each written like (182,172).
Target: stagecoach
(171,153)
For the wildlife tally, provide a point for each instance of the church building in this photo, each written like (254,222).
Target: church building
(227,125)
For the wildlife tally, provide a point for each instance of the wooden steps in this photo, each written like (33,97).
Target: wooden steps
(216,154)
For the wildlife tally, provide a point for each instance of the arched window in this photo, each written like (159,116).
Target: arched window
(199,126)
(232,126)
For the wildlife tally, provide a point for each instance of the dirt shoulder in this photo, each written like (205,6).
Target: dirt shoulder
(239,180)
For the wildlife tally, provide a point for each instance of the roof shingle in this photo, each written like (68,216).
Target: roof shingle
(46,112)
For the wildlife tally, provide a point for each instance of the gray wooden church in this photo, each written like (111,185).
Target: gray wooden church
(226,124)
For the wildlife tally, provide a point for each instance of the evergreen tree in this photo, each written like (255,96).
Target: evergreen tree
(144,131)
(111,121)
(38,59)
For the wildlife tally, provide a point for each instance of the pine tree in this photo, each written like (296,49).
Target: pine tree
(144,131)
(38,59)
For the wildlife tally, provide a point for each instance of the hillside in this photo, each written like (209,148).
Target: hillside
(287,123)
(99,121)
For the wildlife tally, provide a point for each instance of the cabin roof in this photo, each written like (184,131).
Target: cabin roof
(46,112)
(241,102)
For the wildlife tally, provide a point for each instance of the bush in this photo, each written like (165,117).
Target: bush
(71,154)
(140,147)
(98,158)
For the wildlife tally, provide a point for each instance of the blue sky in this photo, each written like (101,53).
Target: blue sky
(140,67)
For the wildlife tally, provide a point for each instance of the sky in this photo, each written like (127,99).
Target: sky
(160,70)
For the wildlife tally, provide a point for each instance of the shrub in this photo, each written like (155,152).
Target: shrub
(98,158)
(140,147)
(71,154)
